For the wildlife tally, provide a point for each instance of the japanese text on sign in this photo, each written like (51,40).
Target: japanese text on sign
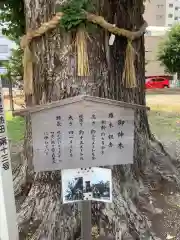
(4,150)
(74,137)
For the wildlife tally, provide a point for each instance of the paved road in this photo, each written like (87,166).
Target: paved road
(7,105)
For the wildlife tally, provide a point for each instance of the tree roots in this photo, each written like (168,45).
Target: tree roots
(42,215)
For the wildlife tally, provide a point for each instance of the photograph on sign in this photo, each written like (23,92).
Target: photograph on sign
(73,184)
(82,135)
(74,189)
(86,184)
(101,181)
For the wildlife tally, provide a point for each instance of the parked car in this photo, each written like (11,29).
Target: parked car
(157,82)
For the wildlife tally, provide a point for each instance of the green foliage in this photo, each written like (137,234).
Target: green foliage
(14,65)
(12,18)
(169,50)
(15,127)
(74,13)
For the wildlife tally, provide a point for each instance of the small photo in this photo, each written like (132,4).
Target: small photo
(73,190)
(101,185)
(86,185)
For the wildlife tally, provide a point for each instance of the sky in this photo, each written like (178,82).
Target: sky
(101,174)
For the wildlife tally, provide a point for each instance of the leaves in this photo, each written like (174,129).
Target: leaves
(74,13)
(12,19)
(14,65)
(169,50)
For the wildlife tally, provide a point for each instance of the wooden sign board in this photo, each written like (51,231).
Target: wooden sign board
(82,132)
(85,132)
(8,223)
(82,184)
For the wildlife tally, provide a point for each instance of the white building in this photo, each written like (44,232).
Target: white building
(5,47)
(160,15)
(153,37)
(162,12)
(5,50)
(172,12)
(156,31)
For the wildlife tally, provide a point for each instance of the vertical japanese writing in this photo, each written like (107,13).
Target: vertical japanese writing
(93,119)
(53,147)
(4,154)
(121,122)
(2,121)
(81,119)
(70,120)
(59,144)
(93,135)
(120,134)
(1,102)
(71,135)
(58,121)
(103,134)
(81,135)
(110,136)
(46,142)
(58,136)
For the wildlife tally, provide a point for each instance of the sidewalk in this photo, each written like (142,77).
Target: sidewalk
(7,105)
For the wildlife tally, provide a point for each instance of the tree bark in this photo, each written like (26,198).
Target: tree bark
(42,213)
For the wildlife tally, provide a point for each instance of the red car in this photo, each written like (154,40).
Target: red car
(157,82)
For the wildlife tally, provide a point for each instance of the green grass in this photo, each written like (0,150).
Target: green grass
(15,127)
(165,124)
(164,116)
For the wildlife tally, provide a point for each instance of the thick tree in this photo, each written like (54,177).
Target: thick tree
(41,214)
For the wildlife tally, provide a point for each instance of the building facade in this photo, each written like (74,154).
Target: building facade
(5,47)
(153,38)
(162,13)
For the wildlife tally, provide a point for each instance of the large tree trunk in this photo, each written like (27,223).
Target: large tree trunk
(42,213)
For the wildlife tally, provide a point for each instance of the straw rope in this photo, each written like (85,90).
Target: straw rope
(82,55)
(27,58)
(129,74)
(31,34)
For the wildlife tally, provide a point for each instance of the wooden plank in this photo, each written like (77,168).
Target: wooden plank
(76,99)
(82,134)
(8,223)
(86,225)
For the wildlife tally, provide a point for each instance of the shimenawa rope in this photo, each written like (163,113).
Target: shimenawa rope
(31,34)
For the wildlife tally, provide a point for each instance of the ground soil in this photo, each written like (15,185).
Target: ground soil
(165,124)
